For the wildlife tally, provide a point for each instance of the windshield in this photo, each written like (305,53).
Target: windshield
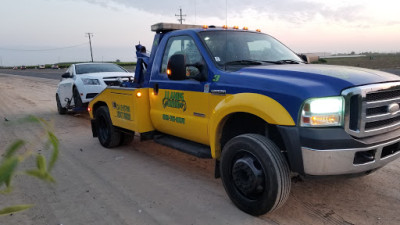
(97,68)
(246,48)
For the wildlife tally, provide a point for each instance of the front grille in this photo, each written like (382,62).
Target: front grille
(116,81)
(372,109)
(112,82)
(91,95)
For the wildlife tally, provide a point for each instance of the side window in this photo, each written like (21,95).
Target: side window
(186,46)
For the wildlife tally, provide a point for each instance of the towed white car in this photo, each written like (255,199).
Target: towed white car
(83,81)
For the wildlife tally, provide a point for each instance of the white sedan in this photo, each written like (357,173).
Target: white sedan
(83,81)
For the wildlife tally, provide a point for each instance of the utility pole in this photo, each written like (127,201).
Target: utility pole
(180,15)
(90,43)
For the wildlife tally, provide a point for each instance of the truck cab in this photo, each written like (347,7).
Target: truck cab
(246,100)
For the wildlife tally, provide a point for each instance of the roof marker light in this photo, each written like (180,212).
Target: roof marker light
(245,28)
(235,27)
(258,30)
(225,27)
(205,26)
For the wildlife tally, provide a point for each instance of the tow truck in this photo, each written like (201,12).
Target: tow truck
(247,101)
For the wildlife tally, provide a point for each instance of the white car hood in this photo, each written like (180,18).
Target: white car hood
(106,75)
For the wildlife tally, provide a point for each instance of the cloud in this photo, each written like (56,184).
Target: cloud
(292,11)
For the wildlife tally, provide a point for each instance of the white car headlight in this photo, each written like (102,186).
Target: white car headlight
(88,81)
(321,112)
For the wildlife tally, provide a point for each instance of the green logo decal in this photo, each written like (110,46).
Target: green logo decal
(174,100)
(216,78)
(123,111)
(173,119)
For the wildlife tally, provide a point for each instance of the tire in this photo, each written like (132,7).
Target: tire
(255,174)
(126,138)
(60,109)
(77,98)
(108,136)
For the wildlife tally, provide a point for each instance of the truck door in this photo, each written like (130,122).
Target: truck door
(180,107)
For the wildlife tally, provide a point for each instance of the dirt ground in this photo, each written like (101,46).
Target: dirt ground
(145,183)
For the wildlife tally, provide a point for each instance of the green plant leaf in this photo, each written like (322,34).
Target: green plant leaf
(55,143)
(41,163)
(13,148)
(7,168)
(13,209)
(40,175)
(36,173)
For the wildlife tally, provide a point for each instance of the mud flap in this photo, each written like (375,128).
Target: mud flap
(94,127)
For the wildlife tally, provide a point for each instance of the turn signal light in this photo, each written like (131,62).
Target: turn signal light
(168,72)
(89,109)
(138,94)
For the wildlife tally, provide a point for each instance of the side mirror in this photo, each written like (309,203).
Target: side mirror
(176,68)
(66,75)
(304,58)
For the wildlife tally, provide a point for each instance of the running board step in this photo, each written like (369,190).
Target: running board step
(189,147)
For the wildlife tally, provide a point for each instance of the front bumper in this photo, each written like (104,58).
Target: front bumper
(349,161)
(331,151)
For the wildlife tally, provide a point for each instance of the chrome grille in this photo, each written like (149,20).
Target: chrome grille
(372,109)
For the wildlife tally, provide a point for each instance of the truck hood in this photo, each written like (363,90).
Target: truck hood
(292,84)
(340,76)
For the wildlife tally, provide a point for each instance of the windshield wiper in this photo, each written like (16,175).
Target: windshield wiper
(244,62)
(287,61)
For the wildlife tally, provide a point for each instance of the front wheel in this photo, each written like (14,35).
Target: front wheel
(77,98)
(108,136)
(61,110)
(255,174)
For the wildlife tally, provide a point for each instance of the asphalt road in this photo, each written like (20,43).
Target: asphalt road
(42,73)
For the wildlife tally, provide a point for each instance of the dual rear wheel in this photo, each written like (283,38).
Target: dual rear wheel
(108,135)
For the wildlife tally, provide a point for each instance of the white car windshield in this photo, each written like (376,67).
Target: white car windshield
(97,68)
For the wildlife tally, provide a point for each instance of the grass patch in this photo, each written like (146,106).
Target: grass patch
(372,61)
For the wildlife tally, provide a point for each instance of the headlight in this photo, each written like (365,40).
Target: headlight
(321,112)
(87,81)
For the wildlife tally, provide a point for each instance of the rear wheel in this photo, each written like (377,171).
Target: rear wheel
(60,109)
(255,174)
(108,136)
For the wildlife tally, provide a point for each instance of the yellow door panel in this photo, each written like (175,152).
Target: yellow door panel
(181,113)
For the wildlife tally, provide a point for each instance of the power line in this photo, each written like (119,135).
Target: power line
(180,15)
(39,50)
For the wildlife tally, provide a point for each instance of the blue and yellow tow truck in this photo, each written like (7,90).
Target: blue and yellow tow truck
(246,100)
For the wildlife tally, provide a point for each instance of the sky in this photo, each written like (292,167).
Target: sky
(34,32)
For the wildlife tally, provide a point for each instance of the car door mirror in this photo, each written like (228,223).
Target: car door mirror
(66,75)
(304,58)
(176,68)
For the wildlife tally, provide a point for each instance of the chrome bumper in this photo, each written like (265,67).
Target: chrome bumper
(341,161)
